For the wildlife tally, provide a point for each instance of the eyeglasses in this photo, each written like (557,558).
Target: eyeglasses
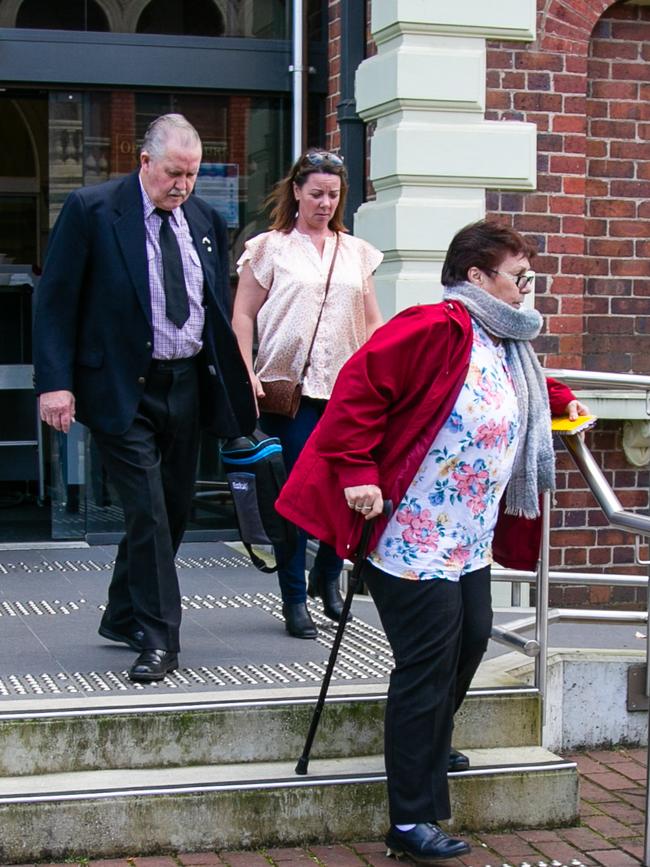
(321,158)
(520,280)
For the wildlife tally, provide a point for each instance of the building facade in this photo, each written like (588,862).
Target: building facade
(531,111)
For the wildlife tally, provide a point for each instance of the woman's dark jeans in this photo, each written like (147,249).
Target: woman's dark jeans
(293,434)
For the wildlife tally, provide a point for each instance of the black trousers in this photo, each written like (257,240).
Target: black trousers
(438,631)
(153,468)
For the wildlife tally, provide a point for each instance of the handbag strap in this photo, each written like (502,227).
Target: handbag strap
(320,313)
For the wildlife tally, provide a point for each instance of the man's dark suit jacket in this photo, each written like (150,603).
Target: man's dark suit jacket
(93,334)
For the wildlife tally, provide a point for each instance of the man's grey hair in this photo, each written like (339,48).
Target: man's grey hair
(163,128)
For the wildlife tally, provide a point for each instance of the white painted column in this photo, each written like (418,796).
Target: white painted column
(433,154)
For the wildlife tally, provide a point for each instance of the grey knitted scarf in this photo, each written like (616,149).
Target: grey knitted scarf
(534,465)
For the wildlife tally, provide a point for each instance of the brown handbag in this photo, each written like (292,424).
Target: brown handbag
(282,396)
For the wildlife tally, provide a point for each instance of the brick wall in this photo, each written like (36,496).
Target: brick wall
(332,136)
(587,95)
(585,84)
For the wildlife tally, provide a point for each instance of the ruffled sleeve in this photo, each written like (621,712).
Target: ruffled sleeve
(259,253)
(371,258)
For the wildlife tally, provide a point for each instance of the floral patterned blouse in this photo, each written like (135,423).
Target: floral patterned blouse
(289,267)
(443,527)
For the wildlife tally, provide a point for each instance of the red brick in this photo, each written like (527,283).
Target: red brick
(637,31)
(569,84)
(614,90)
(561,164)
(543,223)
(575,144)
(108,862)
(567,204)
(568,31)
(574,225)
(629,269)
(537,60)
(199,859)
(575,105)
(596,147)
(155,861)
(643,171)
(611,168)
(569,123)
(633,189)
(642,248)
(576,64)
(336,856)
(565,244)
(244,859)
(539,101)
(564,46)
(498,99)
(615,50)
(621,129)
(629,228)
(499,59)
(507,845)
(565,285)
(630,150)
(596,188)
(613,858)
(605,247)
(584,265)
(631,71)
(612,208)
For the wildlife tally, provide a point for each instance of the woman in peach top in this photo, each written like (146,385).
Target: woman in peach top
(282,279)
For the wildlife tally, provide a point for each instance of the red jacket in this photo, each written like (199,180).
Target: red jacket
(389,402)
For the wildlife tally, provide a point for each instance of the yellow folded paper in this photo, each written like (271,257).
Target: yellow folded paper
(564,425)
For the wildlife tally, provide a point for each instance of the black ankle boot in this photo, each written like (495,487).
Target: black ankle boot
(328,591)
(297,620)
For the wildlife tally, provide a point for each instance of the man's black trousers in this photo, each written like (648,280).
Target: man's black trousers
(153,468)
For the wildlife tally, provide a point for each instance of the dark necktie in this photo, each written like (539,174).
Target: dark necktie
(177,306)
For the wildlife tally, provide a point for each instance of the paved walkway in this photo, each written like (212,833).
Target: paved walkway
(612,788)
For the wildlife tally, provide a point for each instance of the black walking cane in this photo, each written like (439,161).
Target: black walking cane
(303,761)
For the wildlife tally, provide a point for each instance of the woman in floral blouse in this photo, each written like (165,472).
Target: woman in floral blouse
(445,412)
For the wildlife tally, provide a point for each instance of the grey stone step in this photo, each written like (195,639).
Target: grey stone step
(37,738)
(119,812)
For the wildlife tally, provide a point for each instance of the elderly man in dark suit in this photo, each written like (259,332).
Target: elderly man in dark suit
(133,338)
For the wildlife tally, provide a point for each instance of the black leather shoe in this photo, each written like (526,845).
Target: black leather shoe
(328,591)
(133,639)
(297,620)
(457,761)
(153,665)
(426,842)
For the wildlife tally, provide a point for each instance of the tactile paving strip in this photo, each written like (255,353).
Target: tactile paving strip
(364,654)
(228,561)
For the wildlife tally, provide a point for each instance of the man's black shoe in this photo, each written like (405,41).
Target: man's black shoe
(133,639)
(426,842)
(297,620)
(153,665)
(457,761)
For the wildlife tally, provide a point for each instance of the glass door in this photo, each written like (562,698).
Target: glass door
(94,136)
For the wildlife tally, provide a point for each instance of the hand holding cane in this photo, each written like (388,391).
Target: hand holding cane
(303,761)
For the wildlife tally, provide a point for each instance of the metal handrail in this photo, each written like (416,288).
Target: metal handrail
(593,379)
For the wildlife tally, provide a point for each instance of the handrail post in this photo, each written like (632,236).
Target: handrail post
(541,613)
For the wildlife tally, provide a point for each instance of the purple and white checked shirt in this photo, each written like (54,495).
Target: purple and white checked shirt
(168,340)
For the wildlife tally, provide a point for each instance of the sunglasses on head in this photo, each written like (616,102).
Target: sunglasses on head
(321,158)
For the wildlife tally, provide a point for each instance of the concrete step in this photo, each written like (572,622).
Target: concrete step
(153,810)
(46,737)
